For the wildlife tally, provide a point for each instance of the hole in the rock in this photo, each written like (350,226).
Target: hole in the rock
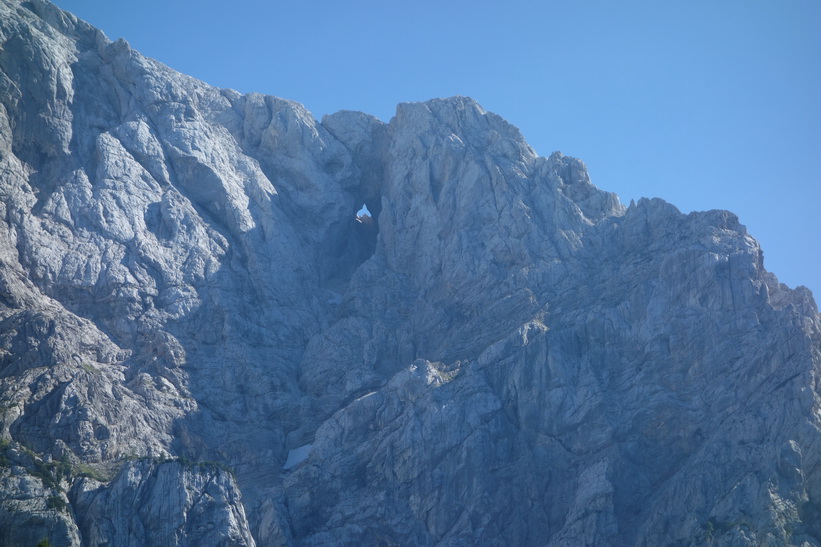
(363,215)
(355,245)
(366,230)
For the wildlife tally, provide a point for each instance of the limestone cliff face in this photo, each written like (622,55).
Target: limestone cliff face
(201,344)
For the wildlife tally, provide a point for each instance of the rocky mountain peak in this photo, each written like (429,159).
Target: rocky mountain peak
(201,343)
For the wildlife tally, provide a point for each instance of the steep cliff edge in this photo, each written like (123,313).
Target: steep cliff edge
(201,344)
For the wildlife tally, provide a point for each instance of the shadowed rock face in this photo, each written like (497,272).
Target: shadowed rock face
(201,344)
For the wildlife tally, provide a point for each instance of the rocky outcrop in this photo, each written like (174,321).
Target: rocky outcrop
(33,505)
(200,343)
(162,503)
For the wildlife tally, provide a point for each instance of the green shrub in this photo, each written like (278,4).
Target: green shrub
(56,502)
(85,470)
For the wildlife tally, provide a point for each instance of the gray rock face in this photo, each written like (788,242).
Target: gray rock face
(201,344)
(33,505)
(166,503)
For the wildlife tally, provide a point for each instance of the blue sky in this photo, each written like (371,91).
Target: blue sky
(709,105)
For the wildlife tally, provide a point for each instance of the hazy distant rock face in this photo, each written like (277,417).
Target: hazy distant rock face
(504,355)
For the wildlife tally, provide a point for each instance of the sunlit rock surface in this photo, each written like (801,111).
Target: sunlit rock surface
(202,344)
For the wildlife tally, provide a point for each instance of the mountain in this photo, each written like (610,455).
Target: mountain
(201,343)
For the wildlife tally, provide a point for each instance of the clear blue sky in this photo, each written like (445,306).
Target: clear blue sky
(709,105)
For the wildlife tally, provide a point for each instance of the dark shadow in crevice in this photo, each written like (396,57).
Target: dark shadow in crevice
(366,229)
(356,244)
